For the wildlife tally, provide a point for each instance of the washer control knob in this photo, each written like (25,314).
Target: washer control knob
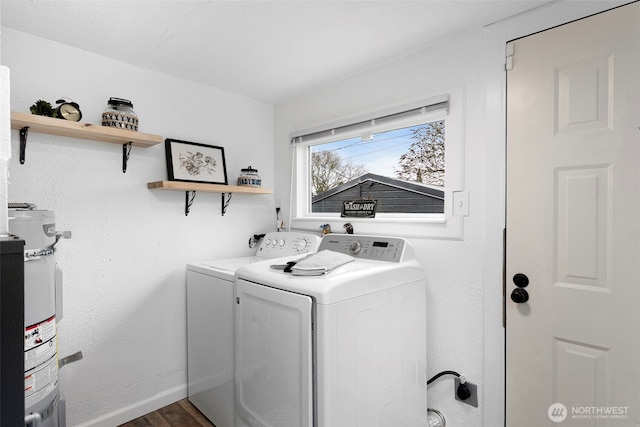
(355,247)
(300,244)
(282,242)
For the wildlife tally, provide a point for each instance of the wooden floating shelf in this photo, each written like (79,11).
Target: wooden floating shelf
(52,126)
(211,188)
(191,188)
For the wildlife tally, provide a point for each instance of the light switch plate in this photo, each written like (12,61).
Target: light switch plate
(461,203)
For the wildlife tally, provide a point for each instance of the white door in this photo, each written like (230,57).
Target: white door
(573,224)
(274,357)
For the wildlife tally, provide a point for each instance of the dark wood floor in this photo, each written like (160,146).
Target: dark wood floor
(178,414)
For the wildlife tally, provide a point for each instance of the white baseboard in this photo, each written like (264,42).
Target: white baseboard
(138,409)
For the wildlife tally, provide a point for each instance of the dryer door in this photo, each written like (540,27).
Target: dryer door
(274,357)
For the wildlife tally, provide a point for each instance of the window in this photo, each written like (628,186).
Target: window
(409,160)
(403,170)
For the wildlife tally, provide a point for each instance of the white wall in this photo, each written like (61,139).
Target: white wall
(124,268)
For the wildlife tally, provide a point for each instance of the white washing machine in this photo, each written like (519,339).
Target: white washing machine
(210,338)
(343,349)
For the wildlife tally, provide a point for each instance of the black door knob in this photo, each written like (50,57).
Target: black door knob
(520,280)
(519,296)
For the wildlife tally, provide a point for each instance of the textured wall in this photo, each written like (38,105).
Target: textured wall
(124,268)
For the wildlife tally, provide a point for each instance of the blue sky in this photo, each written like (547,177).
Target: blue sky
(379,155)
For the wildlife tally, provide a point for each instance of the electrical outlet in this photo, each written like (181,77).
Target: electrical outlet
(473,399)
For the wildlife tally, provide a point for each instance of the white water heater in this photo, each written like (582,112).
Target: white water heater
(42,312)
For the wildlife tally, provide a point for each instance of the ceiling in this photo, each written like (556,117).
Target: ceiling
(263,49)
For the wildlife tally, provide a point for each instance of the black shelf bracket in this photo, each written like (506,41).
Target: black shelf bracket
(24,132)
(189,197)
(225,202)
(126,150)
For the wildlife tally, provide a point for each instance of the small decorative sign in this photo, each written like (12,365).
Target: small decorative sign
(359,209)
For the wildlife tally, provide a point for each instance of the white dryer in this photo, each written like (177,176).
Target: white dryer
(210,335)
(343,349)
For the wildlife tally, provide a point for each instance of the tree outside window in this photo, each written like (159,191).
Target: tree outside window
(414,154)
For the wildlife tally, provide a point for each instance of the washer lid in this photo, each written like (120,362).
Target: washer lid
(273,245)
(231,264)
(351,280)
(223,268)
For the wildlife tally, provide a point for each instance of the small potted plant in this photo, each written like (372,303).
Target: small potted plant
(42,108)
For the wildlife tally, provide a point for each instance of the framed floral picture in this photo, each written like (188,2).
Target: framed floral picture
(194,162)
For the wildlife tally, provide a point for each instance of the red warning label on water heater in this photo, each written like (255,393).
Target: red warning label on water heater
(40,360)
(39,342)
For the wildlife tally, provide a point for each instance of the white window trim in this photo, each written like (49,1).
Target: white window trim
(438,226)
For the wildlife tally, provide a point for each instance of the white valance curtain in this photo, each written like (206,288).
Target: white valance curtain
(372,121)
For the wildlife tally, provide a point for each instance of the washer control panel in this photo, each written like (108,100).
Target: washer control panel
(287,243)
(365,247)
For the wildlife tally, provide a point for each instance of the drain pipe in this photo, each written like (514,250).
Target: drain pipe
(435,418)
(33,420)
